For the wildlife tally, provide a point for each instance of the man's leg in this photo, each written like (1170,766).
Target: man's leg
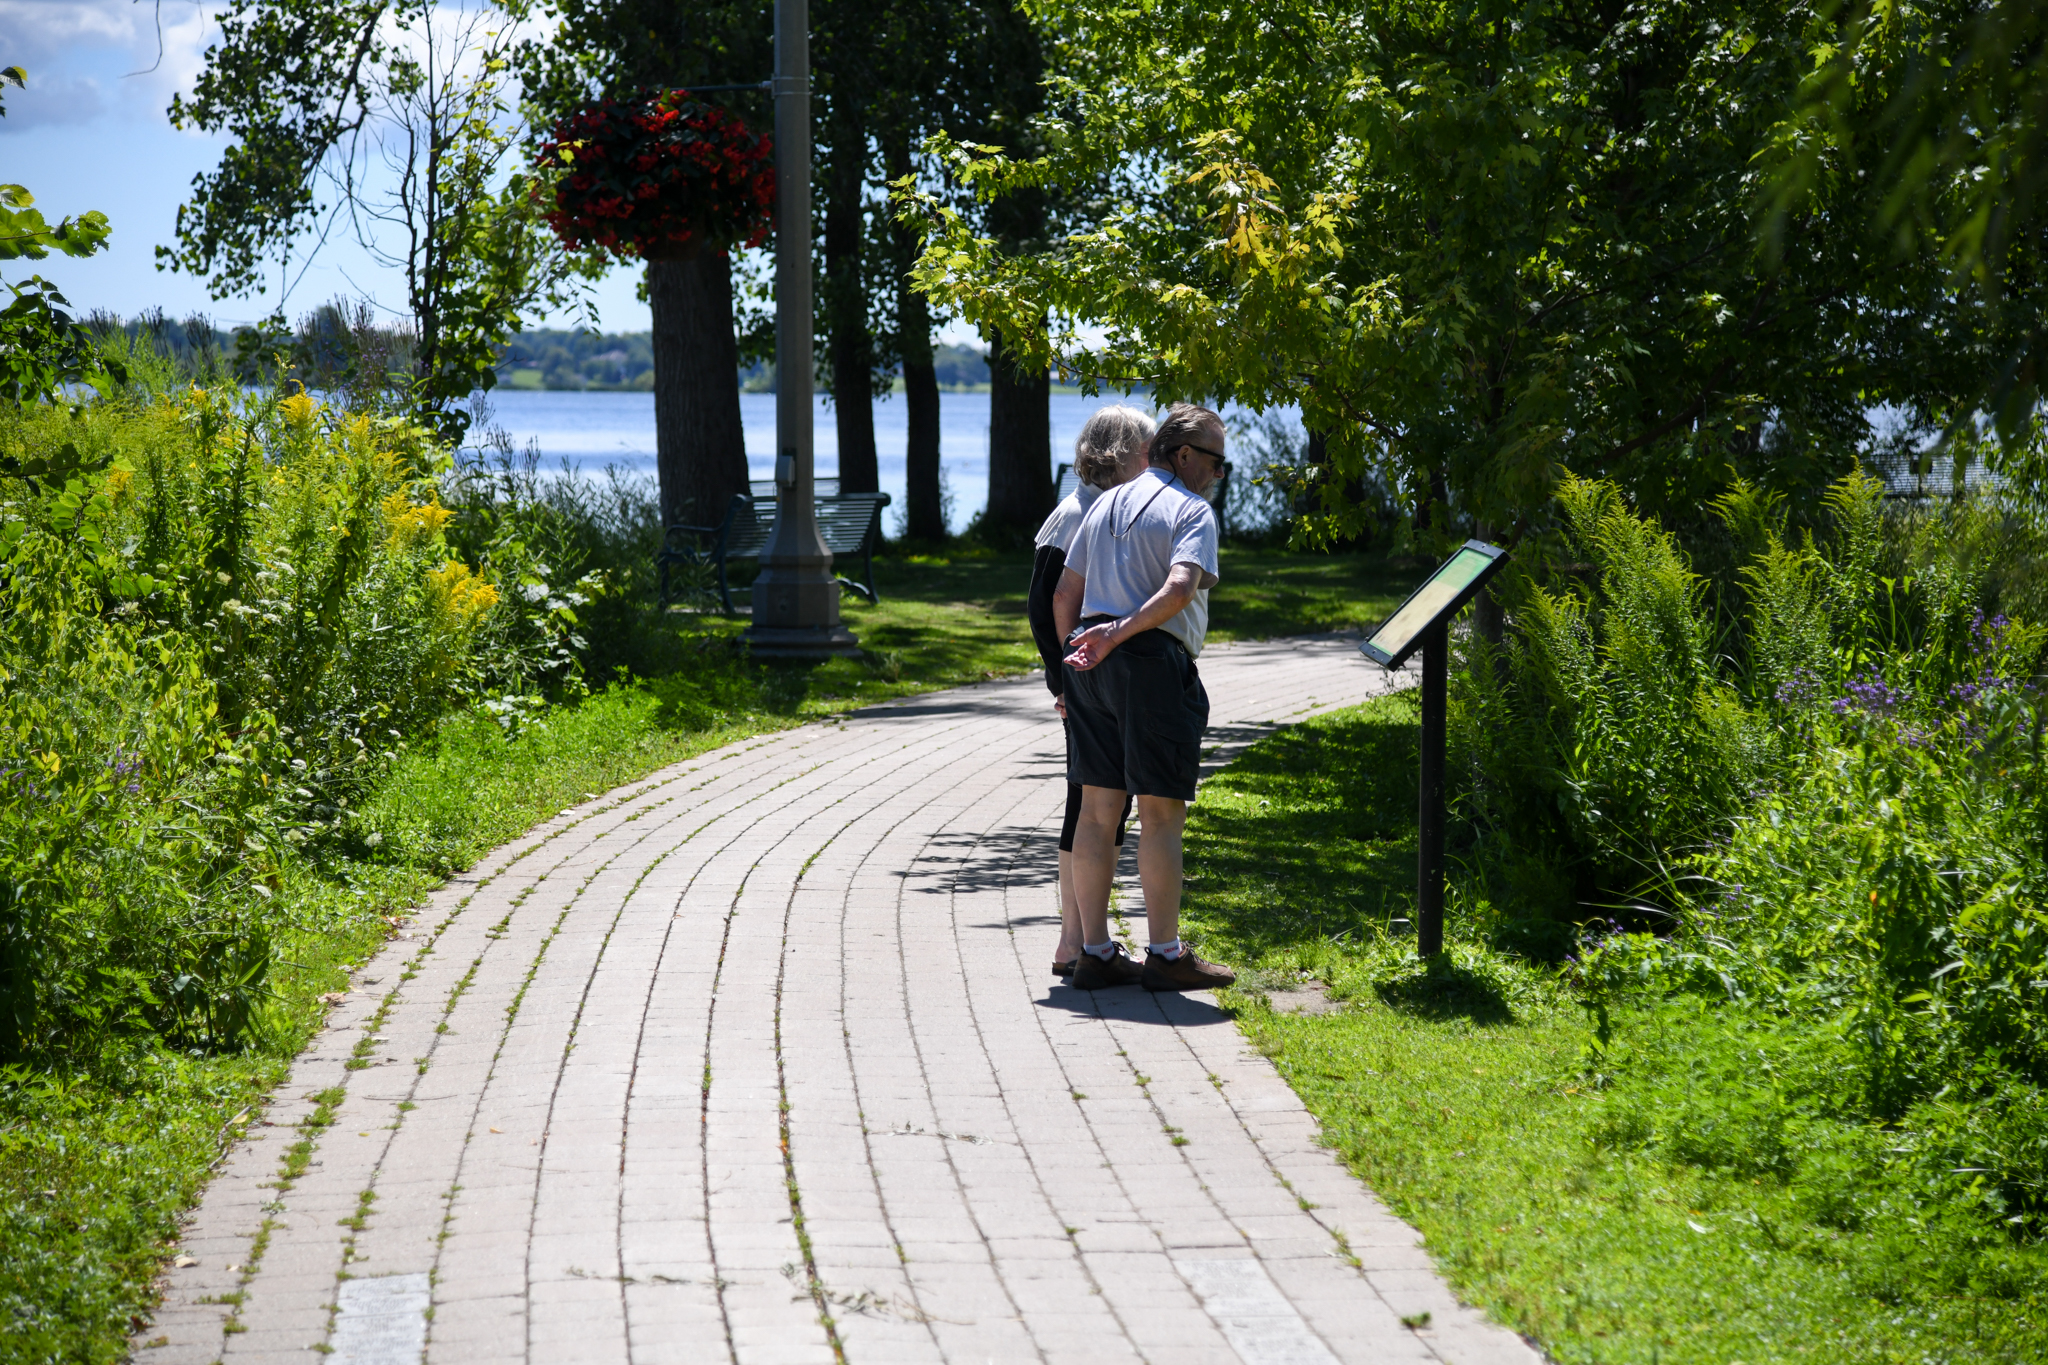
(1161,820)
(1170,965)
(1094,859)
(1094,760)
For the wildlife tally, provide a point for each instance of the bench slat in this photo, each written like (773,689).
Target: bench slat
(848,523)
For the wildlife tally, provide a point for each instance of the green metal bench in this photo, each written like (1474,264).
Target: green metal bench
(849,524)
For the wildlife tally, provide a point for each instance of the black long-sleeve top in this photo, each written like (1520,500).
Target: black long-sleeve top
(1046,567)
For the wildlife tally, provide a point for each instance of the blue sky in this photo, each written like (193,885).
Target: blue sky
(90,132)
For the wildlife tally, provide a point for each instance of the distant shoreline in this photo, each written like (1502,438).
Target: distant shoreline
(534,381)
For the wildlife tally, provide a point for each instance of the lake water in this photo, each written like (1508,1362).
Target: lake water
(592,430)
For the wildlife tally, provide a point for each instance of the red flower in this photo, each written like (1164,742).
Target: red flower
(657,169)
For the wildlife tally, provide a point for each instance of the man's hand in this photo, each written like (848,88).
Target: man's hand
(1059,704)
(1092,646)
(1096,643)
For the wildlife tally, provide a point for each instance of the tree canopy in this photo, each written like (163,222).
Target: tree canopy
(390,114)
(1478,245)
(1927,120)
(42,347)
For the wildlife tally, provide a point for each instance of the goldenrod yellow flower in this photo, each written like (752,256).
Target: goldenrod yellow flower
(409,524)
(300,409)
(458,595)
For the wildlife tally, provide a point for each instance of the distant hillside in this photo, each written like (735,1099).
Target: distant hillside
(625,361)
(577,360)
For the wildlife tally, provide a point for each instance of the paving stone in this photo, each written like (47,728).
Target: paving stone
(624,1015)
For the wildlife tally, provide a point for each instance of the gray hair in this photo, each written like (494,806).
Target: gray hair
(1112,438)
(1186,424)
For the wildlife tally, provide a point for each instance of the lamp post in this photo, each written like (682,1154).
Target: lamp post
(796,597)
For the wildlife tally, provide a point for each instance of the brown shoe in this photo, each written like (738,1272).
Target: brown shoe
(1092,973)
(1062,969)
(1184,973)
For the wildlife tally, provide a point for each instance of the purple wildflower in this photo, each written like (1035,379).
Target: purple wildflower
(1801,689)
(1869,693)
(1988,634)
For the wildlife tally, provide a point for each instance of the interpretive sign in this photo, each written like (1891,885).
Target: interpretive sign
(1423,623)
(1456,582)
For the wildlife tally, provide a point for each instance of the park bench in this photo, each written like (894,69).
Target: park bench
(849,523)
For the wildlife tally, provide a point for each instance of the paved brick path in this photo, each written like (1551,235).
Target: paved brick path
(693,1073)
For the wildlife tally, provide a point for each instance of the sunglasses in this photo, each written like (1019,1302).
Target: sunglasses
(1215,455)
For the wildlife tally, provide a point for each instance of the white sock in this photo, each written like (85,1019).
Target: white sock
(1169,951)
(1105,951)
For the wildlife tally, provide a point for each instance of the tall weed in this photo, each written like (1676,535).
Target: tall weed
(224,615)
(133,866)
(1875,924)
(1601,737)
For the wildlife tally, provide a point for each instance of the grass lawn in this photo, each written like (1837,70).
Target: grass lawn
(96,1165)
(1262,593)
(1466,1094)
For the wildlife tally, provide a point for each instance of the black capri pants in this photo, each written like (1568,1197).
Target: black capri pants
(1074,818)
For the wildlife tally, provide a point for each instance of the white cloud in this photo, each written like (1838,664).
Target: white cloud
(93,59)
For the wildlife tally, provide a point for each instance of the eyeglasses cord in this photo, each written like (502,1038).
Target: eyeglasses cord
(1115,534)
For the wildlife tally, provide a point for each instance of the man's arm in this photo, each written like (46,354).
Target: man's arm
(1183,581)
(1066,602)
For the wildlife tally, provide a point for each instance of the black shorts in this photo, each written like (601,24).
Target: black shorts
(1074,817)
(1135,720)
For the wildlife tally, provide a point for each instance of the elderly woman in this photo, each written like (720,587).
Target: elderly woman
(1109,451)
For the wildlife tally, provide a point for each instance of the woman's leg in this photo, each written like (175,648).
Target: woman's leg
(1070,913)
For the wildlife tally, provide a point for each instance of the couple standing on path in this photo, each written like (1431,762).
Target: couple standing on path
(1119,606)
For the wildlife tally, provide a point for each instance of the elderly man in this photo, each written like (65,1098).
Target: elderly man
(1109,451)
(1133,603)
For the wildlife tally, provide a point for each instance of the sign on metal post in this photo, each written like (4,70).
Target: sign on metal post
(1423,622)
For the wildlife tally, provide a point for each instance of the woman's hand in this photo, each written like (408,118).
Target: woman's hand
(1059,704)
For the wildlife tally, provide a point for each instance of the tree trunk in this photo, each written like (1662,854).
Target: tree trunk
(1020,488)
(700,449)
(924,516)
(1489,617)
(1307,499)
(849,347)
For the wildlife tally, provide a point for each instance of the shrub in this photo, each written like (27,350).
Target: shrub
(1601,737)
(1873,931)
(131,854)
(223,616)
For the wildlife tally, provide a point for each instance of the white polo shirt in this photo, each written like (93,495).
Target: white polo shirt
(1065,522)
(1130,540)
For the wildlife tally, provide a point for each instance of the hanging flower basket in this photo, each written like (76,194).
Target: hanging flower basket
(659,175)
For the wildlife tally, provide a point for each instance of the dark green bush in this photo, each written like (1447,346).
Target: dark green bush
(1602,736)
(1850,866)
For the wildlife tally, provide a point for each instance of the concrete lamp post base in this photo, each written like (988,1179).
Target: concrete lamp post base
(803,642)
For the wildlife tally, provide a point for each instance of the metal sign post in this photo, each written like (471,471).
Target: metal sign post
(796,597)
(1423,622)
(1429,815)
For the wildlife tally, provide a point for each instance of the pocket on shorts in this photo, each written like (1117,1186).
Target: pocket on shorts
(1197,697)
(1176,706)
